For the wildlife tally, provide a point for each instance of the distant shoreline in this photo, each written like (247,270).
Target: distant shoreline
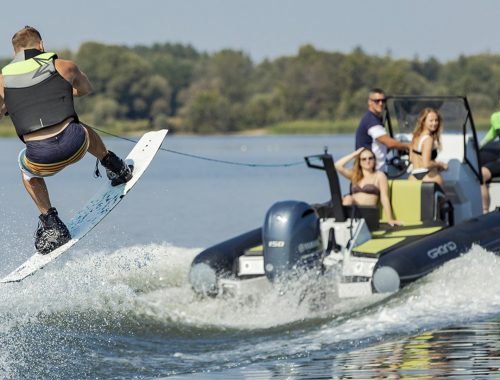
(297,127)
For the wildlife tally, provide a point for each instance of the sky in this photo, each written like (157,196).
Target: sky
(442,29)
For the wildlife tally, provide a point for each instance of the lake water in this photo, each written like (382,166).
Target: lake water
(118,305)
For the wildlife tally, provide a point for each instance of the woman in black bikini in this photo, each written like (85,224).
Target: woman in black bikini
(425,146)
(368,184)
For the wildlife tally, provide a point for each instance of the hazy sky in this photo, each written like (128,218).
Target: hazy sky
(266,28)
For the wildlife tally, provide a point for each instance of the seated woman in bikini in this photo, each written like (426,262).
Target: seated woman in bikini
(368,184)
(425,146)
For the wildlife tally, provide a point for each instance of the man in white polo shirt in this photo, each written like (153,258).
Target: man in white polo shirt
(371,133)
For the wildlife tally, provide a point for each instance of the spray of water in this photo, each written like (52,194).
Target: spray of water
(144,291)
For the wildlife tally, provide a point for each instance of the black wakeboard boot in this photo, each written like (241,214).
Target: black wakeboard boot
(51,232)
(116,169)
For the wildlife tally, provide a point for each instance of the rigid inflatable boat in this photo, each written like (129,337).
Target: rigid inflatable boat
(353,244)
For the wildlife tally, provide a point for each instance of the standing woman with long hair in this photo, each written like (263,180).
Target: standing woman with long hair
(368,184)
(425,145)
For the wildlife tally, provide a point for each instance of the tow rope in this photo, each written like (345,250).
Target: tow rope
(253,165)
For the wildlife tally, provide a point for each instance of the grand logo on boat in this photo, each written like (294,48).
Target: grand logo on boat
(441,250)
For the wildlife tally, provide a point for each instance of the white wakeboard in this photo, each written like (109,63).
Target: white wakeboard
(98,207)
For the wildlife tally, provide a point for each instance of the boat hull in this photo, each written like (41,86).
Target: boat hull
(416,259)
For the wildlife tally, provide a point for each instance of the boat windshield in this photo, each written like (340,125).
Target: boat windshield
(401,114)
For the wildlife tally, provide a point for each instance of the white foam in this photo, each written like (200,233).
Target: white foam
(149,285)
(463,290)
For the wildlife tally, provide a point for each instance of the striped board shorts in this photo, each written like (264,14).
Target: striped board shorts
(43,158)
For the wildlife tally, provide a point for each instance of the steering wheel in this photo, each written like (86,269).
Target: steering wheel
(397,165)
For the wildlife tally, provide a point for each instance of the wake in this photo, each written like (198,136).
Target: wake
(142,291)
(147,285)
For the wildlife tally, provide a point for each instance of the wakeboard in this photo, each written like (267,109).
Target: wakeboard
(98,207)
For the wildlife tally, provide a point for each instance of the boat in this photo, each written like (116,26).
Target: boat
(352,244)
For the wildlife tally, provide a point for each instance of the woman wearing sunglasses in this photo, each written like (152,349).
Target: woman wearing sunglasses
(368,185)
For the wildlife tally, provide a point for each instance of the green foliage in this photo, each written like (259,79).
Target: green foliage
(4,62)
(314,127)
(105,110)
(176,86)
(208,111)
(229,73)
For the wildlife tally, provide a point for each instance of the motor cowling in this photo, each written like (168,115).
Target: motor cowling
(291,238)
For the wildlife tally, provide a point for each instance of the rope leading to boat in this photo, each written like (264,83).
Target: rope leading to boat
(253,165)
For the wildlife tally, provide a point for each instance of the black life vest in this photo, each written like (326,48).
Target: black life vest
(36,95)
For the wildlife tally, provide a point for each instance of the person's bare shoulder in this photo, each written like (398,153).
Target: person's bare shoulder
(67,69)
(381,177)
(70,71)
(1,88)
(428,143)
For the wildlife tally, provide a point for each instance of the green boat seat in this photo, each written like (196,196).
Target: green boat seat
(416,202)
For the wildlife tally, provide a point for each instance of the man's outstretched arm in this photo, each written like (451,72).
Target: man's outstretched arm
(391,143)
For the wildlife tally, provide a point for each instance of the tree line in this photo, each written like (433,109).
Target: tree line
(176,86)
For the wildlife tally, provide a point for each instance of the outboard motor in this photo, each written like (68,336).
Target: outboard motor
(291,238)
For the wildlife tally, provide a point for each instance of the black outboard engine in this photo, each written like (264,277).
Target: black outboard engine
(291,238)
